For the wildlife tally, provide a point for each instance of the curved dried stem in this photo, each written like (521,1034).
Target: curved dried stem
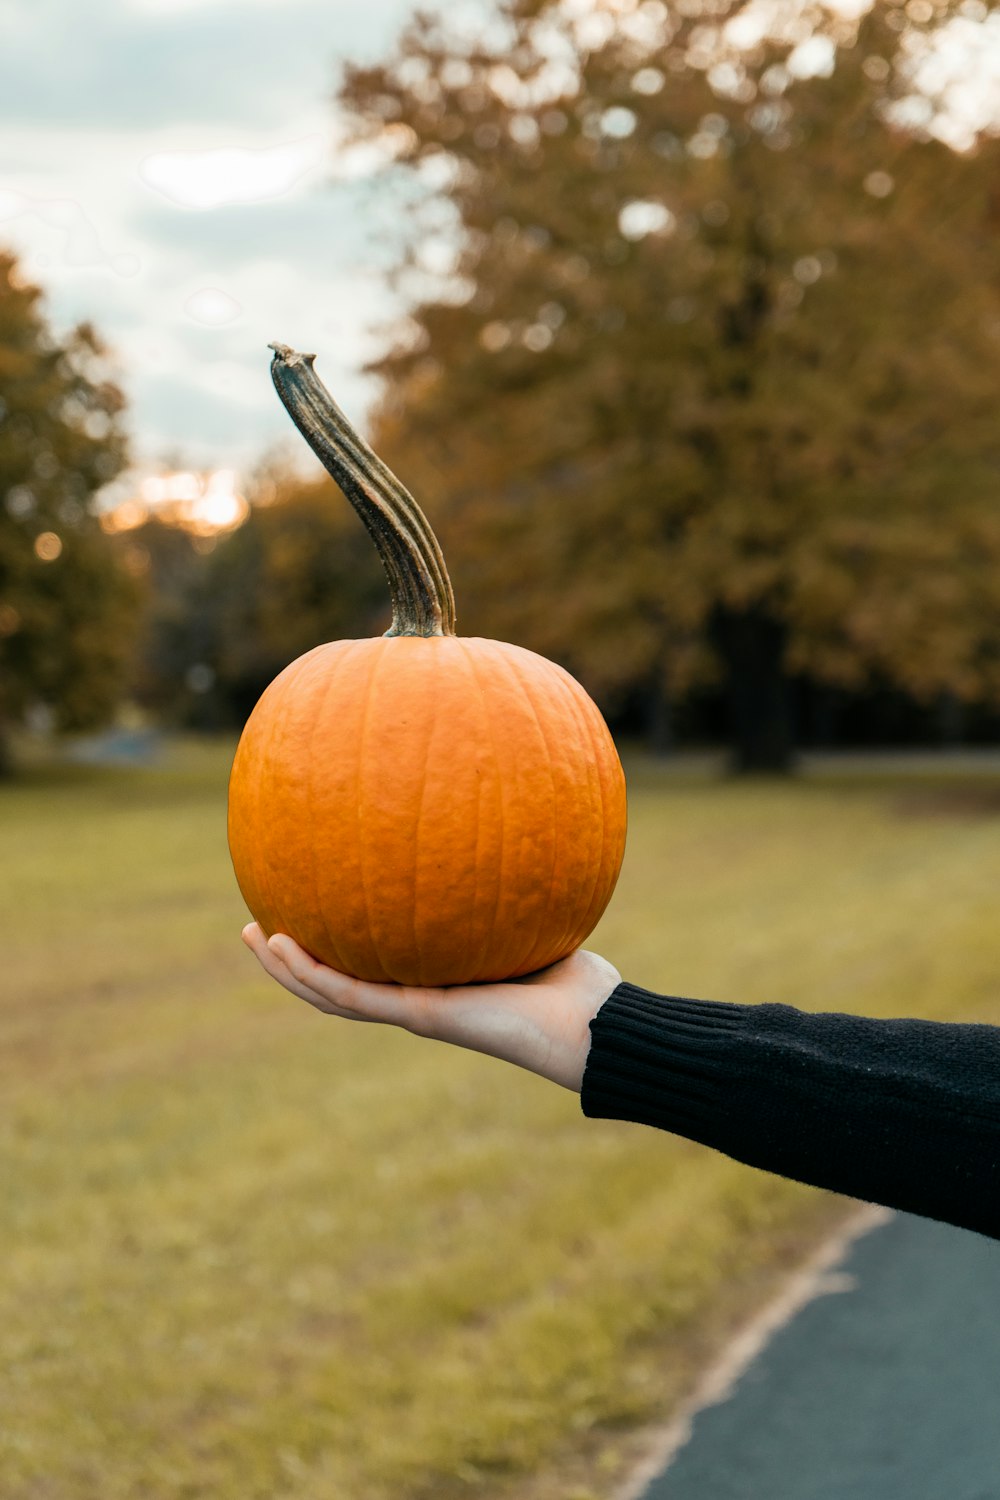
(422,598)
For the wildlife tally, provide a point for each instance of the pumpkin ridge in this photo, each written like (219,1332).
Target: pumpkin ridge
(521,682)
(573,710)
(274,744)
(319,716)
(432,697)
(600,863)
(258,853)
(247,881)
(259,846)
(474,904)
(359,810)
(268,757)
(502,845)
(485,721)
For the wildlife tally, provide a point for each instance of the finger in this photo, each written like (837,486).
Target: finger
(390,1003)
(273,965)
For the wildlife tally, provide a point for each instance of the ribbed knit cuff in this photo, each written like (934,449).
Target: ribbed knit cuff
(904,1112)
(662,1061)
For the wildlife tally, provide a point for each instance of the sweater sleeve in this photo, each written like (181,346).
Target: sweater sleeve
(900,1112)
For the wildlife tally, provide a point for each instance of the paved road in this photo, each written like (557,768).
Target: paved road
(888,1390)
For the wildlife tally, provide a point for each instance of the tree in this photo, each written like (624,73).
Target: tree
(300,570)
(702,363)
(66,604)
(170,677)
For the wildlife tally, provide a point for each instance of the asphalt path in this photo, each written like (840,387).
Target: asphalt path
(885,1388)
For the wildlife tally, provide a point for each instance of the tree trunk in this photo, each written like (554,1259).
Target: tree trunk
(659,720)
(752,645)
(6,756)
(824,716)
(951,721)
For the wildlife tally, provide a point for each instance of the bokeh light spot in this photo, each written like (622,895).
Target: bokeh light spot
(648,81)
(618,122)
(879,184)
(20,501)
(47,546)
(645,216)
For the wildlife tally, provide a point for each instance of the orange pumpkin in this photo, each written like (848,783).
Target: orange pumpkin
(420,807)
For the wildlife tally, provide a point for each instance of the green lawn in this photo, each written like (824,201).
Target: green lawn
(251,1253)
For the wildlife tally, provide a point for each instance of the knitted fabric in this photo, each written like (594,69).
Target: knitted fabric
(900,1112)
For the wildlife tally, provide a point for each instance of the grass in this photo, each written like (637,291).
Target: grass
(254,1254)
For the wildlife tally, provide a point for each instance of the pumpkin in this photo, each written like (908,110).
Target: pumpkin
(420,807)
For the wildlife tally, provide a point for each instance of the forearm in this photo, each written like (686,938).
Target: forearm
(900,1112)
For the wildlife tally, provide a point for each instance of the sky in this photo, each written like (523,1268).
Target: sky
(170,170)
(174,171)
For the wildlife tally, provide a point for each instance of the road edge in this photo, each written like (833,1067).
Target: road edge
(815,1277)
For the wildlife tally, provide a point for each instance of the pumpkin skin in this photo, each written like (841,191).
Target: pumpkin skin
(420,807)
(427,810)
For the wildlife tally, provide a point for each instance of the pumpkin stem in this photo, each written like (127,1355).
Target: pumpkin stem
(422,600)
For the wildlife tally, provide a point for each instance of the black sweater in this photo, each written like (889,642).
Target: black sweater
(904,1113)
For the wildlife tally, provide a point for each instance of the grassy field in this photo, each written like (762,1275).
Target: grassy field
(250,1253)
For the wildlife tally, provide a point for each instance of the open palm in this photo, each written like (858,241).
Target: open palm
(540,1022)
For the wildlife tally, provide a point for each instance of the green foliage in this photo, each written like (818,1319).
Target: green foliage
(721,340)
(253,1252)
(174,640)
(66,604)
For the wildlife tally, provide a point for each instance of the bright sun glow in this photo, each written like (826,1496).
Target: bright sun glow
(204,504)
(232,174)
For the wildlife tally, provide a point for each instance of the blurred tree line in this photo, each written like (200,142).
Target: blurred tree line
(67,605)
(224,615)
(698,384)
(701,375)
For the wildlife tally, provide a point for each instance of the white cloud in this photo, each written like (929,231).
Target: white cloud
(55,230)
(174,172)
(212,306)
(175,7)
(231,174)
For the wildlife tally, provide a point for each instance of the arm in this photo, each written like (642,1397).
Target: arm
(904,1113)
(900,1112)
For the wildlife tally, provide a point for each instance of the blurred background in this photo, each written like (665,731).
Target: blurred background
(682,322)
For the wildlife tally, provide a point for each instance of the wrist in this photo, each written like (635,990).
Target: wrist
(572,1060)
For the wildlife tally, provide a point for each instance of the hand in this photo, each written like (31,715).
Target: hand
(540,1022)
